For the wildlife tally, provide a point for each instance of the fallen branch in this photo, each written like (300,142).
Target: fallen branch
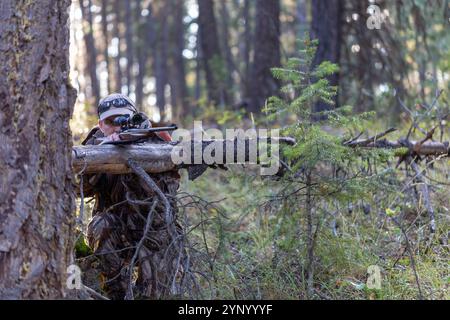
(429,148)
(363,142)
(156,158)
(94,293)
(411,257)
(425,193)
(129,295)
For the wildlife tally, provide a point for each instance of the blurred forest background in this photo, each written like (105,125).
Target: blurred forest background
(257,238)
(179,59)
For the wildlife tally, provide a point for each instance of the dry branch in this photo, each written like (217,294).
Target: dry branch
(425,193)
(429,148)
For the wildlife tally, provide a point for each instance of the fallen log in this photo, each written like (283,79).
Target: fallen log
(428,148)
(155,158)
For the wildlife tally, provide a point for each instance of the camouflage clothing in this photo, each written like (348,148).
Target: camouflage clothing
(117,226)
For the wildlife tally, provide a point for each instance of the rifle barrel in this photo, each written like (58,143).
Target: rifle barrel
(155,129)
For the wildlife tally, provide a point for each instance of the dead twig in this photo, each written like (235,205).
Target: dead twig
(425,192)
(129,295)
(355,142)
(94,293)
(150,186)
(411,257)
(154,187)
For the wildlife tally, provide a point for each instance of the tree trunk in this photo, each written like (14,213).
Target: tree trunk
(267,53)
(147,44)
(142,46)
(117,35)
(326,27)
(301,18)
(178,80)
(36,192)
(91,51)
(225,37)
(246,47)
(129,41)
(198,68)
(212,59)
(160,56)
(106,42)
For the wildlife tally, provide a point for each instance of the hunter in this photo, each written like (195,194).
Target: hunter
(123,203)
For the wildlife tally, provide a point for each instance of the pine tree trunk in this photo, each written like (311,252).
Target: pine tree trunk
(326,27)
(106,42)
(91,51)
(147,47)
(129,41)
(198,68)
(141,52)
(178,81)
(301,18)
(225,37)
(246,47)
(212,61)
(117,35)
(36,192)
(160,56)
(267,53)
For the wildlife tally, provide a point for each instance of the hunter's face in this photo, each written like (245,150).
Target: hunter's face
(107,127)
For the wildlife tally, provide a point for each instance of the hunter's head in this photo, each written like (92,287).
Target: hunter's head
(112,106)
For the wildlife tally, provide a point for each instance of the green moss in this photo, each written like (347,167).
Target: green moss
(401,152)
(82,249)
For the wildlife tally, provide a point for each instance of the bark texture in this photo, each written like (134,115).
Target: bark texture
(36,191)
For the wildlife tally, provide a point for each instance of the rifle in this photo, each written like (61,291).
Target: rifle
(134,135)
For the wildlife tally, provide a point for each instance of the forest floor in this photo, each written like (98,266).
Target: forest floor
(257,248)
(257,256)
(246,245)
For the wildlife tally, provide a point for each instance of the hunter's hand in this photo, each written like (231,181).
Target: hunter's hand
(114,137)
